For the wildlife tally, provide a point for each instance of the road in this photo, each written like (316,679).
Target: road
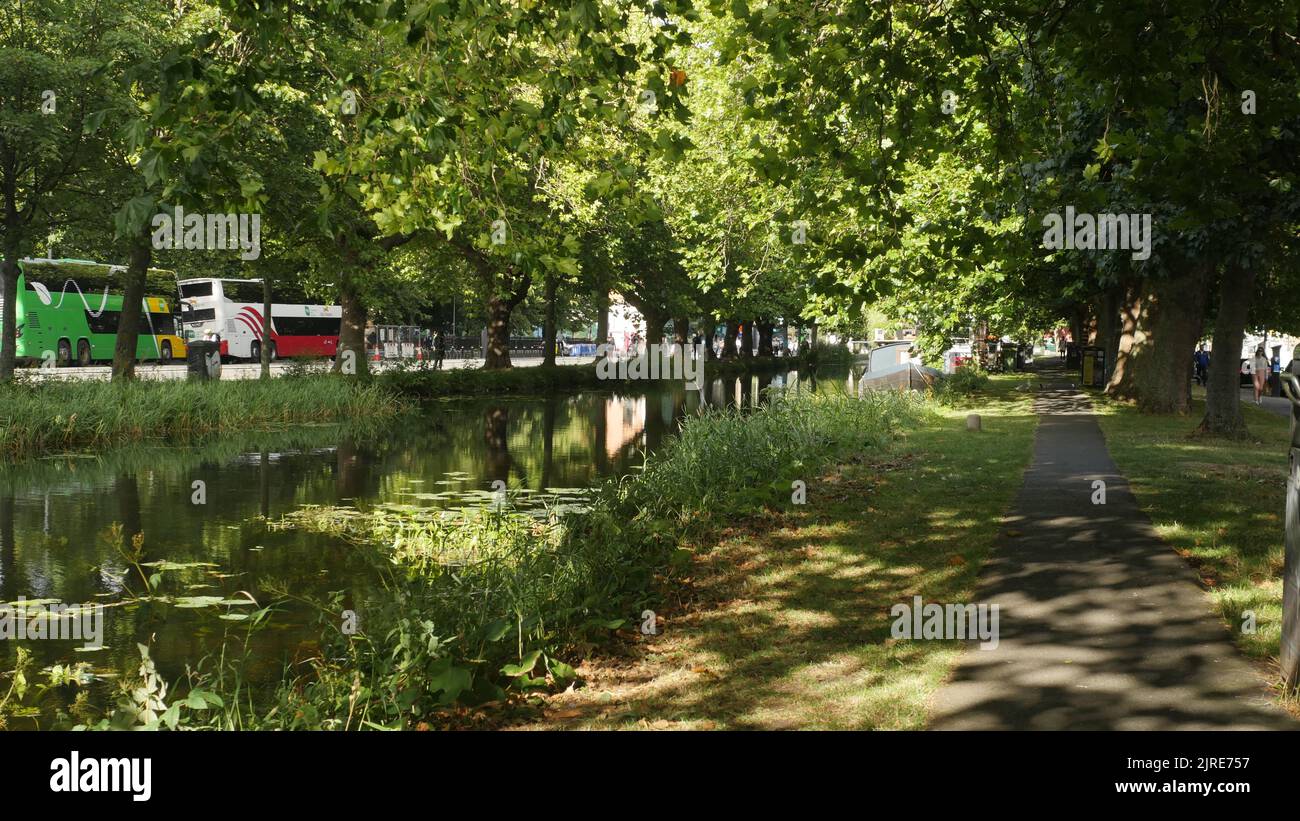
(1273,404)
(250,370)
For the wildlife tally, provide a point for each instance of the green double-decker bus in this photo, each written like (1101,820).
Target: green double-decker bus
(67,312)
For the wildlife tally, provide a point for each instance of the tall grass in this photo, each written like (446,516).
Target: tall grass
(488,602)
(42,417)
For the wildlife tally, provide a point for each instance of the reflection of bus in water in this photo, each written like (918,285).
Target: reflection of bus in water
(231,309)
(67,311)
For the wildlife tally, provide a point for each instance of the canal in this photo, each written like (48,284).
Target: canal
(198,515)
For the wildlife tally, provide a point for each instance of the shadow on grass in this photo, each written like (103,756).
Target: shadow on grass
(789,625)
(1219,502)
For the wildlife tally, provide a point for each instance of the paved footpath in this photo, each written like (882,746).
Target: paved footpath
(1102,625)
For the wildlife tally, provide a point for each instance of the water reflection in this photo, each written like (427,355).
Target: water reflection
(56,513)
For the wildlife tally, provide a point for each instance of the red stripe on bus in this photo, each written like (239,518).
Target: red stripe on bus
(306,345)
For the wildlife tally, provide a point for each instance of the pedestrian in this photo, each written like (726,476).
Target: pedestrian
(1260,369)
(439,349)
(1202,359)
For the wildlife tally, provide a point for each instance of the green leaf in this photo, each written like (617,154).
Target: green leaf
(451,683)
(132,218)
(525,666)
(93,122)
(562,671)
(497,630)
(153,166)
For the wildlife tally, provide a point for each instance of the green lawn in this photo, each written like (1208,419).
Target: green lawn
(1219,502)
(786,624)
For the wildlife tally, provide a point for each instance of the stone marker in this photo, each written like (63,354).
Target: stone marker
(973,421)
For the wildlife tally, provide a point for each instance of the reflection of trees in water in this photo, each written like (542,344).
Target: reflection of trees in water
(597,414)
(548,438)
(264,482)
(496,441)
(655,423)
(127,491)
(8,551)
(353,470)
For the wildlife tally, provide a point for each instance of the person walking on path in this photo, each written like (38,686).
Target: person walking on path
(1202,364)
(439,350)
(1259,371)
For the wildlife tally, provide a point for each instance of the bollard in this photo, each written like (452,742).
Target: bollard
(973,421)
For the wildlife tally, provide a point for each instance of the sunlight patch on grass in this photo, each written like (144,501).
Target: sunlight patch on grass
(790,626)
(1218,502)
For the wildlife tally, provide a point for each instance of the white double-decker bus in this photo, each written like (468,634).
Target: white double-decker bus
(232,310)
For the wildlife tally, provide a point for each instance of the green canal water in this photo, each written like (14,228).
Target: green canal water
(64,518)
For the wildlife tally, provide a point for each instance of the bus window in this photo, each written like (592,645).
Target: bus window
(307,325)
(196,289)
(242,290)
(164,324)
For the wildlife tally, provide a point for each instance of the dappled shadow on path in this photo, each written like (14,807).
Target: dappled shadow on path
(1103,626)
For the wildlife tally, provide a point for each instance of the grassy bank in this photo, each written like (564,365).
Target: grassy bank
(487,605)
(786,622)
(1219,502)
(54,416)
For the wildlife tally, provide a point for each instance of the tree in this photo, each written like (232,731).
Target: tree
(49,53)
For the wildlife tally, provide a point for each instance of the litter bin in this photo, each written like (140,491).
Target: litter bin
(1092,367)
(203,360)
(1010,357)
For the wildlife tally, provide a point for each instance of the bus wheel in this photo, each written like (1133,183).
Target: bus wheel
(63,358)
(83,353)
(255,351)
(274,354)
(166,353)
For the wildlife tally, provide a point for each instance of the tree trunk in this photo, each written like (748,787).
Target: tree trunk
(548,325)
(1109,325)
(710,330)
(128,319)
(654,326)
(1161,324)
(1223,382)
(729,341)
(812,334)
(352,331)
(747,341)
(499,309)
(11,253)
(602,317)
(765,340)
(498,347)
(1078,320)
(267,340)
(9,301)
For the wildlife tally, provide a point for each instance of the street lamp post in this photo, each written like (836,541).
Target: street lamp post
(1291,565)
